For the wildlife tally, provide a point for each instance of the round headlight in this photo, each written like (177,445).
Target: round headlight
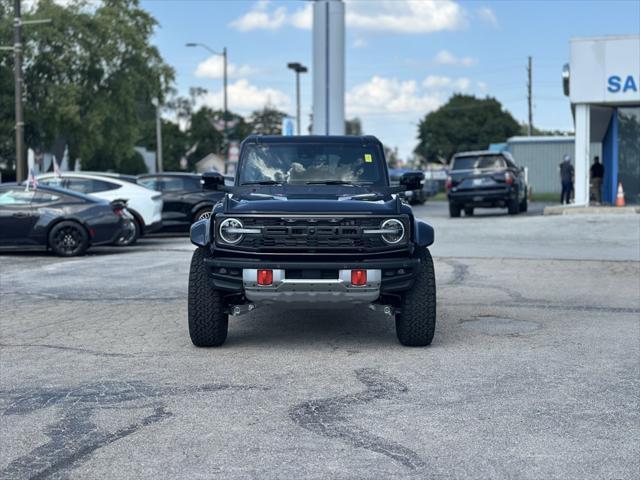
(226,230)
(398,231)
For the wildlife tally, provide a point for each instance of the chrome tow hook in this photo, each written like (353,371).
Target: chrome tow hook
(236,310)
(386,309)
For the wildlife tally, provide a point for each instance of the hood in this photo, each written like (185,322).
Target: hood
(284,205)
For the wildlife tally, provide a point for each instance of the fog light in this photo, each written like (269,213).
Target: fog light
(265,277)
(358,277)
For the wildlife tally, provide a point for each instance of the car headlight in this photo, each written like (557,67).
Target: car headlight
(230,230)
(393,231)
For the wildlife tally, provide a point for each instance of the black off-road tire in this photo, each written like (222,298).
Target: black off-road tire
(468,211)
(416,322)
(524,205)
(208,321)
(68,239)
(513,207)
(454,210)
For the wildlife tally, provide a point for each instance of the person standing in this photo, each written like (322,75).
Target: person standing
(597,174)
(566,179)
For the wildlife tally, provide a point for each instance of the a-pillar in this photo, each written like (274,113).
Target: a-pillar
(583,141)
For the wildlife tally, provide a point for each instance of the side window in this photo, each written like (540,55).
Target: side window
(53,181)
(172,184)
(41,197)
(81,185)
(103,186)
(150,182)
(192,184)
(16,197)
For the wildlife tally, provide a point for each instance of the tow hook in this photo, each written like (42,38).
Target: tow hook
(386,309)
(236,310)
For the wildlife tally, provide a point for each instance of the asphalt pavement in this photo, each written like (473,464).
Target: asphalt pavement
(533,372)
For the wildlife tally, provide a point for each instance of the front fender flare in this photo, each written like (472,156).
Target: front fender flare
(425,234)
(199,233)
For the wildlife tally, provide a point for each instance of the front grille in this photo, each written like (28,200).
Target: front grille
(313,234)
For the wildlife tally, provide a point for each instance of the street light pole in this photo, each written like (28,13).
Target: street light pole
(159,161)
(225,115)
(298,68)
(21,168)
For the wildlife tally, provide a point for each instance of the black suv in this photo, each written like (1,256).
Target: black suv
(184,199)
(312,220)
(485,179)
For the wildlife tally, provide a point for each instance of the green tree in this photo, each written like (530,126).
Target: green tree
(267,121)
(353,126)
(464,123)
(90,76)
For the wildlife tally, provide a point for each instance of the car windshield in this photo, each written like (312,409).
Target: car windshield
(308,163)
(478,162)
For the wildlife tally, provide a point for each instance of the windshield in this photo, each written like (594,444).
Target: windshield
(308,163)
(478,162)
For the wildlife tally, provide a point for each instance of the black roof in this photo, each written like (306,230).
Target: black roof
(351,139)
(170,174)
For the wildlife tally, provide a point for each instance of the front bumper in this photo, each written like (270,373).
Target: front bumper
(395,275)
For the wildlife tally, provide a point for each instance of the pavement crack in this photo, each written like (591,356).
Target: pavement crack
(460,272)
(325,417)
(70,349)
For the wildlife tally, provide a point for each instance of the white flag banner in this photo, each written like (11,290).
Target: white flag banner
(56,168)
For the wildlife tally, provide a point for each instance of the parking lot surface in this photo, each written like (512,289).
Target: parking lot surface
(533,372)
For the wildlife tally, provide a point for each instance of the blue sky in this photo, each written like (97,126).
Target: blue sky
(403,58)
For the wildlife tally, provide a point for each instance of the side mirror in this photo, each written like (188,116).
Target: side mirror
(212,181)
(412,180)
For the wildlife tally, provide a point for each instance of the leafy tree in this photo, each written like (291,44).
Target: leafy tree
(524,130)
(464,123)
(90,77)
(267,121)
(353,126)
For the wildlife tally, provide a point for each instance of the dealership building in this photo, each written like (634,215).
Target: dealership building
(602,81)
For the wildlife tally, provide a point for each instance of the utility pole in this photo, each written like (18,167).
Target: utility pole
(298,68)
(159,162)
(529,99)
(21,167)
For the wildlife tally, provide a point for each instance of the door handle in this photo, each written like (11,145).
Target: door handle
(20,215)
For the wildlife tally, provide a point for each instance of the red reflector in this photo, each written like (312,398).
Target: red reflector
(265,277)
(358,277)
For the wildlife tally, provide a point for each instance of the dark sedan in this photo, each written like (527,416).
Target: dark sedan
(61,220)
(184,200)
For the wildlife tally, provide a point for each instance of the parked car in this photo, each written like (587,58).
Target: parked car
(414,197)
(144,205)
(51,218)
(184,199)
(486,179)
(312,221)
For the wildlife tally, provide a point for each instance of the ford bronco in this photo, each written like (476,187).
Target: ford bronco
(311,220)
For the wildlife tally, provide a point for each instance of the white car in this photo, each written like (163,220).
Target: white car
(144,204)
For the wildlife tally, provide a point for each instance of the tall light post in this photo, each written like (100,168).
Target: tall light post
(159,161)
(224,82)
(298,68)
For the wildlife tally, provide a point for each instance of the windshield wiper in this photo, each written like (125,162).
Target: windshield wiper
(263,182)
(335,182)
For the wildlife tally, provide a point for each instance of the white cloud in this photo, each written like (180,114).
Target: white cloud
(406,16)
(399,16)
(482,86)
(389,95)
(243,97)
(488,16)
(359,42)
(213,67)
(260,17)
(439,82)
(444,57)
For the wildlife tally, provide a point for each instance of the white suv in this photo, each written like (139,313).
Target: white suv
(144,204)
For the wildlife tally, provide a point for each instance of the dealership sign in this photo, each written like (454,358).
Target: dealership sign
(605,70)
(616,84)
